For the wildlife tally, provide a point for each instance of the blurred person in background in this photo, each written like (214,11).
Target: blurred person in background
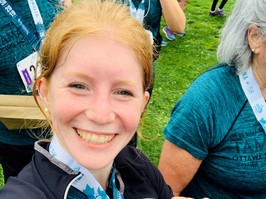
(171,31)
(217,12)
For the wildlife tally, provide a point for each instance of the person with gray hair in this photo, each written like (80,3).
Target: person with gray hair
(235,48)
(215,141)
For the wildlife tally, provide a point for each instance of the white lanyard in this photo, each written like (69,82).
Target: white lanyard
(36,15)
(253,93)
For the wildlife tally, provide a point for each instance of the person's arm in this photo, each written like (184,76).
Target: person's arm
(177,166)
(173,15)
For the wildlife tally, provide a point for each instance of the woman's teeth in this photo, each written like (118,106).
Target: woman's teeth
(95,138)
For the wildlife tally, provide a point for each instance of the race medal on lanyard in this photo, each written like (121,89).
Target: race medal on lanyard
(254,95)
(139,15)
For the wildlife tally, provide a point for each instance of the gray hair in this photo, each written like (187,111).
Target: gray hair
(234,48)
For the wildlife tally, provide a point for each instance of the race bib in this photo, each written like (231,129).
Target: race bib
(29,70)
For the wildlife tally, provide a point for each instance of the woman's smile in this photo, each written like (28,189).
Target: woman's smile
(95,138)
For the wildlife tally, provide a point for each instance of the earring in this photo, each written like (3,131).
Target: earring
(46,109)
(252,49)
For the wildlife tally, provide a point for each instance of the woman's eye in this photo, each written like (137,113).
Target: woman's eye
(77,86)
(124,92)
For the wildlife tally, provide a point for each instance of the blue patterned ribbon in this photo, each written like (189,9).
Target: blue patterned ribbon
(86,183)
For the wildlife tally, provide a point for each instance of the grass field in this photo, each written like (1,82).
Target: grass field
(180,62)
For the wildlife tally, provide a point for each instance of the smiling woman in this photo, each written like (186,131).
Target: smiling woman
(106,102)
(96,69)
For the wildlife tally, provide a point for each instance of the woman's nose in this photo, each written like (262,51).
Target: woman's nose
(101,111)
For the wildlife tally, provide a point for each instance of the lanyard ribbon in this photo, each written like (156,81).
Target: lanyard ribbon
(112,185)
(254,95)
(86,183)
(137,13)
(21,24)
(36,15)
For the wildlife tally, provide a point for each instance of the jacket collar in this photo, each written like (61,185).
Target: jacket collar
(53,172)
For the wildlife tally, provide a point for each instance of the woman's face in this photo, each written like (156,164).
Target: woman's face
(95,98)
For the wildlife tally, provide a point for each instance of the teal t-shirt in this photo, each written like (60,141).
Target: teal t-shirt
(13,48)
(214,122)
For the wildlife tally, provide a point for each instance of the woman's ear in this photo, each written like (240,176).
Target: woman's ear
(146,99)
(254,38)
(43,90)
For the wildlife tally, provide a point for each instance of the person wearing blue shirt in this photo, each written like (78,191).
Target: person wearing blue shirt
(215,140)
(16,146)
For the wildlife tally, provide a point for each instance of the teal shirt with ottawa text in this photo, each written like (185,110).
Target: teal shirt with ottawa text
(214,122)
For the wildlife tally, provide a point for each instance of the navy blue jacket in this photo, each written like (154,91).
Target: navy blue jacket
(47,178)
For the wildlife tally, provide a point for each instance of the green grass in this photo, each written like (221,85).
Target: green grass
(180,62)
